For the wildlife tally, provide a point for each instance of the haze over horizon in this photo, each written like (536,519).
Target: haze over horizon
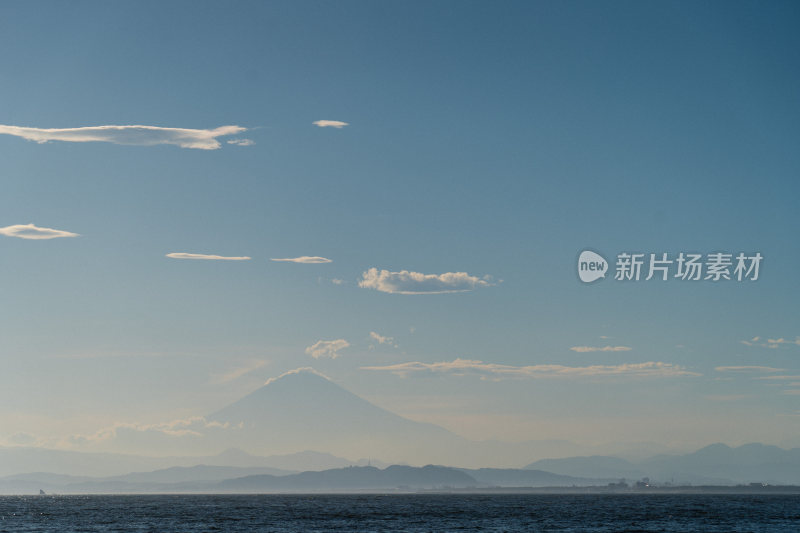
(201,203)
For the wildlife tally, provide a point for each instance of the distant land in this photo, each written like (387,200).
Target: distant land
(303,409)
(272,428)
(753,466)
(395,478)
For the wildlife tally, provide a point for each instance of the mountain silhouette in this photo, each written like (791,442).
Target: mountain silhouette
(748,463)
(596,466)
(355,478)
(304,410)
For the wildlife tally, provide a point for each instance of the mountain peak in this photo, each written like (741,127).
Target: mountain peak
(302,409)
(305,373)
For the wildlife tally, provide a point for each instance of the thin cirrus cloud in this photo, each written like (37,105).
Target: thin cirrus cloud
(771,343)
(305,259)
(496,371)
(582,349)
(242,142)
(779,378)
(29,231)
(746,368)
(406,282)
(338,124)
(327,348)
(380,339)
(128,135)
(207,257)
(238,372)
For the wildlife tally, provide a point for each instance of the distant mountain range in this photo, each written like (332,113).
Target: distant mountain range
(22,460)
(303,410)
(215,479)
(714,464)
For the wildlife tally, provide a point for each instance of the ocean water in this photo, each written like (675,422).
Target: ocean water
(413,513)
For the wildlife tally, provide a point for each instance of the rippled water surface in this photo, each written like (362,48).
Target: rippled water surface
(308,513)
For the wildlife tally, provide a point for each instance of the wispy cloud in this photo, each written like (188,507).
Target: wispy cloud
(305,259)
(301,370)
(380,339)
(327,348)
(774,343)
(406,282)
(330,124)
(771,343)
(792,392)
(494,370)
(129,135)
(778,378)
(337,281)
(582,349)
(207,257)
(242,142)
(190,427)
(29,231)
(238,372)
(747,369)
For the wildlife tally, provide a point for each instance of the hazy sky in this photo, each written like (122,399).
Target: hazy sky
(475,147)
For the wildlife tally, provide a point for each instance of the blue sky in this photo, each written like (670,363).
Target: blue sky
(493,139)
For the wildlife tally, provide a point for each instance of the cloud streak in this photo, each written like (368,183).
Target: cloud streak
(380,339)
(206,257)
(747,369)
(327,348)
(499,371)
(406,282)
(330,124)
(771,343)
(236,373)
(305,259)
(301,370)
(29,231)
(127,135)
(582,349)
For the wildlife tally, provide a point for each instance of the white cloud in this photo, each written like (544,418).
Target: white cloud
(242,142)
(582,349)
(380,339)
(337,281)
(29,231)
(774,343)
(184,255)
(747,369)
(406,282)
(771,343)
(792,392)
(330,124)
(129,135)
(238,372)
(494,370)
(305,259)
(327,348)
(301,370)
(190,427)
(778,377)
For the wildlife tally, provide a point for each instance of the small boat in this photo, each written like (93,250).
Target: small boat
(41,492)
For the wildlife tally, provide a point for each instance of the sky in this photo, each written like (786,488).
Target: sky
(200,196)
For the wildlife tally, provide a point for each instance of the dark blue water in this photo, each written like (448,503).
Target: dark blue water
(417,513)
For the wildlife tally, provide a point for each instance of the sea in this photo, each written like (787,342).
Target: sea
(406,512)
